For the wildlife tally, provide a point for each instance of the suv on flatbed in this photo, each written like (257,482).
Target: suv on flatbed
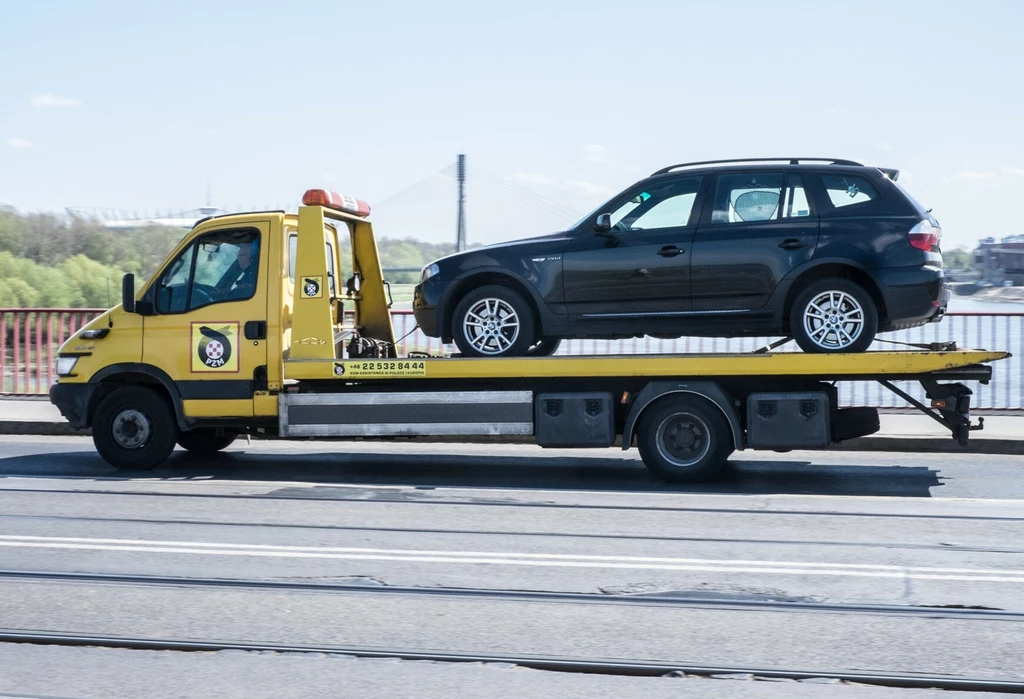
(827,251)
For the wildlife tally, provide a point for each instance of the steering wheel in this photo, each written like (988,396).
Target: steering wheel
(200,296)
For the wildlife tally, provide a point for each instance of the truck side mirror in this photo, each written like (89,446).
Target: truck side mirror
(128,292)
(603,223)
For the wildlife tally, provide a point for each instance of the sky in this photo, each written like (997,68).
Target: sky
(144,106)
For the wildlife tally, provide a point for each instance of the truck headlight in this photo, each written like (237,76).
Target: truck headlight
(65,365)
(428,272)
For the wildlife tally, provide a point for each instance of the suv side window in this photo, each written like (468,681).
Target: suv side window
(848,190)
(747,197)
(666,204)
(218,267)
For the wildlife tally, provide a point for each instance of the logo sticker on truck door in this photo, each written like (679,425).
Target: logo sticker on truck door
(312,287)
(215,348)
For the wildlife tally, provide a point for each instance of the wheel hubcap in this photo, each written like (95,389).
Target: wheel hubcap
(833,320)
(131,429)
(683,439)
(491,326)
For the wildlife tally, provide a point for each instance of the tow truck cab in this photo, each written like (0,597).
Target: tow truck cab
(214,348)
(249,328)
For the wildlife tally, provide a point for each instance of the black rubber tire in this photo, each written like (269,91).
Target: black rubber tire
(796,315)
(850,423)
(162,424)
(527,323)
(544,348)
(711,426)
(205,442)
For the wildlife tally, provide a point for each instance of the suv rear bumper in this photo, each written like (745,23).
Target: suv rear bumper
(912,295)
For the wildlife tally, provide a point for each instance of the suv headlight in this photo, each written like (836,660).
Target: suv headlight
(65,365)
(428,272)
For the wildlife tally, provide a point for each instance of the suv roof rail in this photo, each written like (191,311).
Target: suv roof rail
(791,161)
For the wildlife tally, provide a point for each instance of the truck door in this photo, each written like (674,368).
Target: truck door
(209,329)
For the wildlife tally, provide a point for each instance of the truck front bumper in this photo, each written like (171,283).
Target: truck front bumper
(72,399)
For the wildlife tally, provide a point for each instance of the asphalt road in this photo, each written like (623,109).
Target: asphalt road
(850,561)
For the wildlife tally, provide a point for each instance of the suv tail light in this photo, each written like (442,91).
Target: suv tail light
(925,236)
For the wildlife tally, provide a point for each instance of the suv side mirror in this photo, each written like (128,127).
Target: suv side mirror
(128,292)
(603,223)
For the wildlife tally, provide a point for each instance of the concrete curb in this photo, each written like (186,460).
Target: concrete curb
(930,445)
(48,429)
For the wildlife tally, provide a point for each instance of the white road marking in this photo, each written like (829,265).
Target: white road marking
(517,559)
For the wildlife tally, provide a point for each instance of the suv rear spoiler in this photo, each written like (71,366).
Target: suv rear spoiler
(891,173)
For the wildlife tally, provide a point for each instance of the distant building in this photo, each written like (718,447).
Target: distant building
(116,218)
(1001,261)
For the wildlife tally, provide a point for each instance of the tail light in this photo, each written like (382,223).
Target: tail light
(925,236)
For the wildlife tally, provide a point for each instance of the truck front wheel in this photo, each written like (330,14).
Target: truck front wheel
(134,428)
(684,439)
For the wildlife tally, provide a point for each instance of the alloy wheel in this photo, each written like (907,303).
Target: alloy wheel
(491,326)
(833,320)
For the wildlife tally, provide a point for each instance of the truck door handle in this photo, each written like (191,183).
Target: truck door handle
(792,244)
(670,251)
(256,330)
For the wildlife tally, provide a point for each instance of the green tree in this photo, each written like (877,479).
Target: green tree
(16,293)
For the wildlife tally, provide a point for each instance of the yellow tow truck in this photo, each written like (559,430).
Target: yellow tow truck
(248,329)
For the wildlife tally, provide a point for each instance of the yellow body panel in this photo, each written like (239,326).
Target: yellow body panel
(218,408)
(649,366)
(123,345)
(312,335)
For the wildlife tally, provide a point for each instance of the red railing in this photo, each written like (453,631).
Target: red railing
(30,337)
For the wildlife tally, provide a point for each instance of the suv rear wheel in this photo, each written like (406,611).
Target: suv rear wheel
(493,321)
(833,315)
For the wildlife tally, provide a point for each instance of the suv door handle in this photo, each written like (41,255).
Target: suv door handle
(792,244)
(670,251)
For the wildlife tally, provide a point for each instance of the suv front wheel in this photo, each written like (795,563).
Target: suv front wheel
(493,321)
(833,315)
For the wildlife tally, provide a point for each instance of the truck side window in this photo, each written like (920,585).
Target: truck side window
(330,270)
(226,268)
(172,287)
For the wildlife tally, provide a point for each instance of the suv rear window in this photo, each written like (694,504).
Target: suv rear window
(848,190)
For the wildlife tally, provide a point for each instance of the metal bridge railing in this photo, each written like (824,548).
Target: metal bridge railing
(30,337)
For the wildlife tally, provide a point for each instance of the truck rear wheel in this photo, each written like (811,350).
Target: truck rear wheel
(134,428)
(205,442)
(684,439)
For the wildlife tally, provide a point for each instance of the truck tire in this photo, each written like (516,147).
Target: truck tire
(493,321)
(833,315)
(205,442)
(684,439)
(134,428)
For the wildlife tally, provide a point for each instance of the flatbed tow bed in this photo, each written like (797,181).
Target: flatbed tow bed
(286,363)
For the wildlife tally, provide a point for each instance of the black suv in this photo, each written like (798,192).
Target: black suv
(827,251)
